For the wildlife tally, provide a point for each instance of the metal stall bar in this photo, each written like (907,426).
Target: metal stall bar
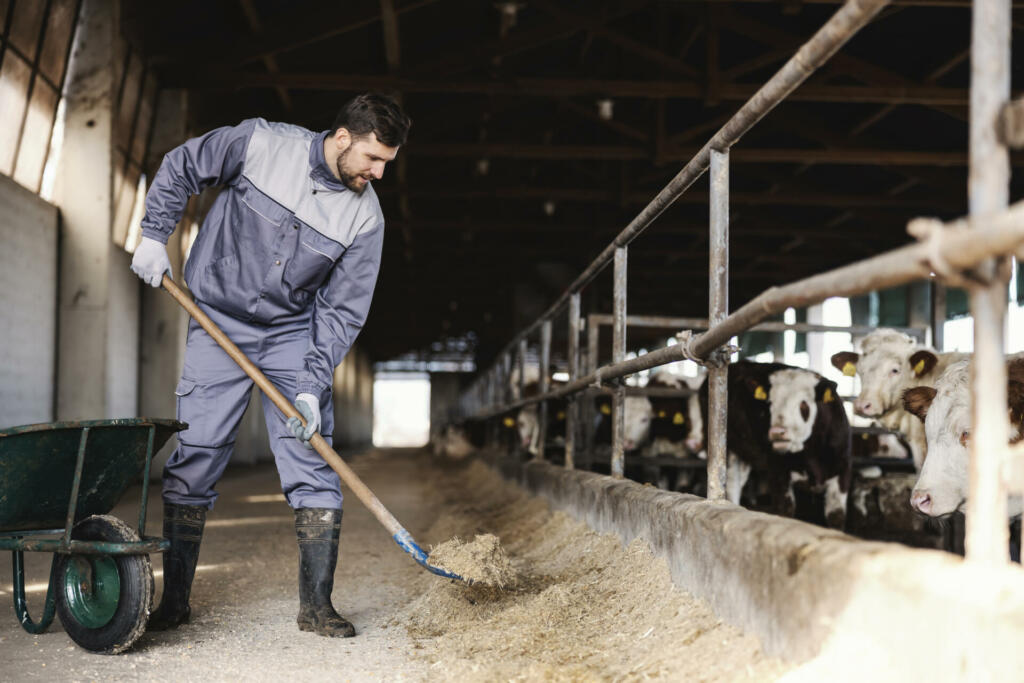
(545,385)
(988,187)
(718,309)
(669,323)
(850,18)
(618,354)
(572,408)
(954,244)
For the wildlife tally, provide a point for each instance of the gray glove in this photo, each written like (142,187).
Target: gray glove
(308,406)
(150,261)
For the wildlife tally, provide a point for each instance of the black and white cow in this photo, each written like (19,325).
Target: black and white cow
(675,422)
(788,423)
(810,435)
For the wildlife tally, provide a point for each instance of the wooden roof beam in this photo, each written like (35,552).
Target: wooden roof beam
(933,96)
(857,156)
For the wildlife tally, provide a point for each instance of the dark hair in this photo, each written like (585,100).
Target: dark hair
(374,113)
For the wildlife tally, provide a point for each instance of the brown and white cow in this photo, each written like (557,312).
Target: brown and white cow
(945,411)
(889,363)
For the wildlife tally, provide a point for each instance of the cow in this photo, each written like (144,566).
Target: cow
(527,421)
(880,446)
(789,423)
(889,363)
(945,412)
(637,421)
(748,422)
(810,437)
(675,422)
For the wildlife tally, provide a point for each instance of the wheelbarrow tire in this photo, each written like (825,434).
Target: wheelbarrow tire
(110,614)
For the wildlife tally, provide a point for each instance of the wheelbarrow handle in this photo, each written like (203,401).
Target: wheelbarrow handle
(351,479)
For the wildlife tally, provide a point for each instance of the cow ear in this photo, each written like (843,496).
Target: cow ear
(918,400)
(846,362)
(826,391)
(922,362)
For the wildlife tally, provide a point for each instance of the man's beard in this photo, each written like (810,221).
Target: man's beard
(350,180)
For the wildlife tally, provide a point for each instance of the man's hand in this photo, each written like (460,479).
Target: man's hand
(309,406)
(150,261)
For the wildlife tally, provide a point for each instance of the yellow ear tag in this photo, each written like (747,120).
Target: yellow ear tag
(850,370)
(561,415)
(661,414)
(677,419)
(509,422)
(865,436)
(919,368)
(828,396)
(606,409)
(760,394)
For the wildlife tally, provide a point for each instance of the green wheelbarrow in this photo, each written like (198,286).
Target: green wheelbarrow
(58,482)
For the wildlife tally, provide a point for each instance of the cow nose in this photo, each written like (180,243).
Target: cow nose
(921,501)
(694,444)
(862,407)
(628,444)
(777,433)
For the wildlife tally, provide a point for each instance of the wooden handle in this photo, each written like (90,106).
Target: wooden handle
(321,446)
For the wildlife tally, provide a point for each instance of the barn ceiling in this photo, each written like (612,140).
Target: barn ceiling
(542,127)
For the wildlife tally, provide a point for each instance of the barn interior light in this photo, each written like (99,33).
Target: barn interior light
(605,109)
(549,208)
(509,14)
(483,166)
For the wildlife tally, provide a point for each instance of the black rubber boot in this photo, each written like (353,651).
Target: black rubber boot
(317,531)
(183,527)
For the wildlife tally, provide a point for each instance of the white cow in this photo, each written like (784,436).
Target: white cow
(945,411)
(889,363)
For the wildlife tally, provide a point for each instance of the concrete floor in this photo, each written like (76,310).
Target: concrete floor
(245,595)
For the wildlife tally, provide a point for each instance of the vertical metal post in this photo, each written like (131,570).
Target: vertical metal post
(574,373)
(988,191)
(588,412)
(718,309)
(938,316)
(618,355)
(522,367)
(506,379)
(545,384)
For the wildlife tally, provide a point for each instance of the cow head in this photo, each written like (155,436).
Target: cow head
(638,415)
(795,399)
(890,363)
(527,426)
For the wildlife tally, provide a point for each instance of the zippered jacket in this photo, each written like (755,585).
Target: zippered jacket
(284,239)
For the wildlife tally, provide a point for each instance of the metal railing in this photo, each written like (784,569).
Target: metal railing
(945,249)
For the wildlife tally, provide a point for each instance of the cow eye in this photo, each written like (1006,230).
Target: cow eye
(896,371)
(965,436)
(805,410)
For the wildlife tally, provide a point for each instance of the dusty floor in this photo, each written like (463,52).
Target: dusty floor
(586,609)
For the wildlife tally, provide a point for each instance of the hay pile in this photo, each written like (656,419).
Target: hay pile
(581,606)
(480,561)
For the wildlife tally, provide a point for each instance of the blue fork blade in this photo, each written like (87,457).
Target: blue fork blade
(405,541)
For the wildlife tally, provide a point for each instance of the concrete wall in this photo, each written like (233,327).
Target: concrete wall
(861,610)
(28,305)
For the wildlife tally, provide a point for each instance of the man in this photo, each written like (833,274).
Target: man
(285,264)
